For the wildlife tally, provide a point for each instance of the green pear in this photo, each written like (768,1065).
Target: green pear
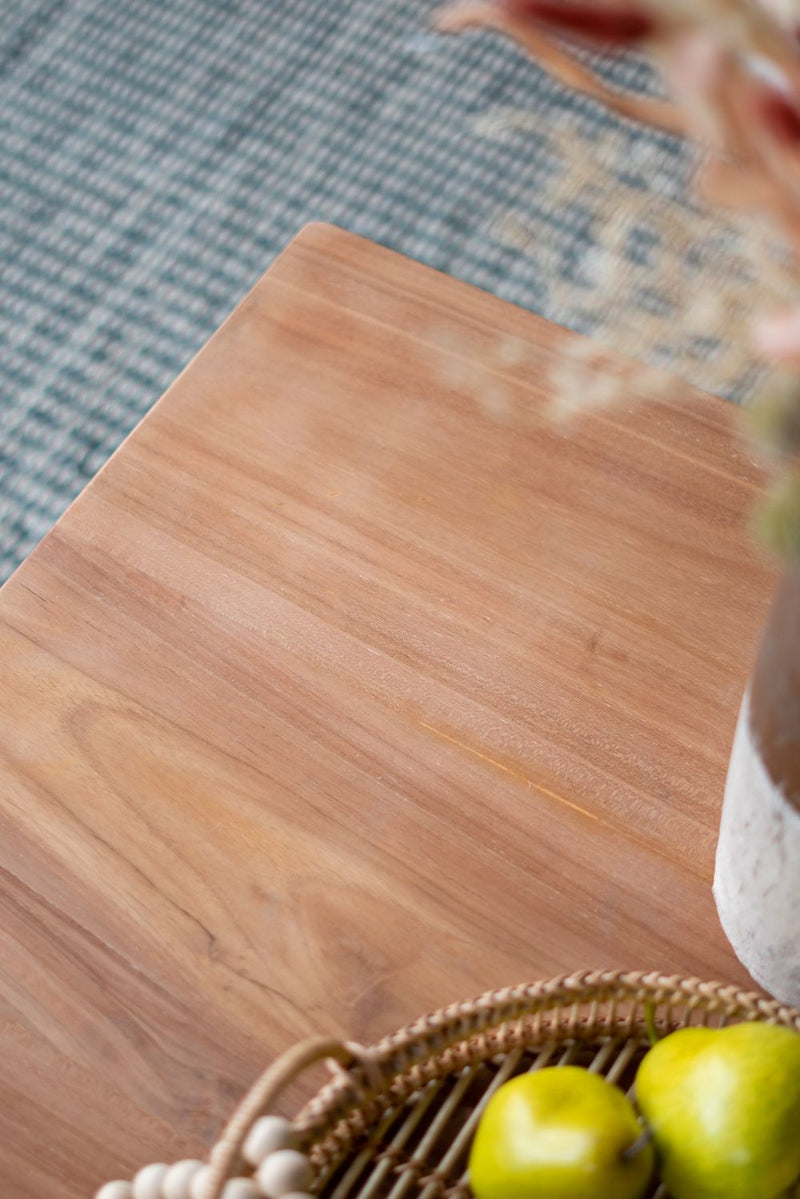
(724,1109)
(559,1133)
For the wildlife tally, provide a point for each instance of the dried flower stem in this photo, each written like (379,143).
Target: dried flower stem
(560,64)
(735,71)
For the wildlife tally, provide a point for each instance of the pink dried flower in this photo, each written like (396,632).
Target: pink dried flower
(596,22)
(778,115)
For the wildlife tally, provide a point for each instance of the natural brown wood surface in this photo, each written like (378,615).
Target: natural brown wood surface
(352,686)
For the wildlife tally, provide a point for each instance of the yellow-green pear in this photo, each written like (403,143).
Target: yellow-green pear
(559,1133)
(724,1109)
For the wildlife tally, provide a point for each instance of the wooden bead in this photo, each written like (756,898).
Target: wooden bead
(283,1172)
(235,1188)
(148,1182)
(241,1188)
(266,1136)
(178,1180)
(115,1190)
(197,1187)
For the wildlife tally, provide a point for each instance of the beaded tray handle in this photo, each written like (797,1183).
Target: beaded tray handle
(396,1119)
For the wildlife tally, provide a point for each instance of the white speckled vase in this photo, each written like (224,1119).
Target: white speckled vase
(757,876)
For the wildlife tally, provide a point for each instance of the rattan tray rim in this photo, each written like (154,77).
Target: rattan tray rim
(581,1006)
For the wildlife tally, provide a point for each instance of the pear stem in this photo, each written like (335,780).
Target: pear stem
(642,1141)
(650,1023)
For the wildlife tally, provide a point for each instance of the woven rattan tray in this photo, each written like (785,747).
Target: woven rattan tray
(396,1120)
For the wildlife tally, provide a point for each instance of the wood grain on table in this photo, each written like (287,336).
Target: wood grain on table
(351,686)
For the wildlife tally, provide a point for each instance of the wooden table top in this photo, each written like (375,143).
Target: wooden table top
(352,686)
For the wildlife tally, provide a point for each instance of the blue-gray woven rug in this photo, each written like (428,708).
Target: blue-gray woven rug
(157,154)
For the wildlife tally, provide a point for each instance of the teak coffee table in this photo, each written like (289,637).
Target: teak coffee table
(352,686)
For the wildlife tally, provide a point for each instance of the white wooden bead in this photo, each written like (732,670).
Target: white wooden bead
(178,1179)
(235,1188)
(241,1188)
(283,1172)
(115,1190)
(266,1136)
(197,1188)
(147,1183)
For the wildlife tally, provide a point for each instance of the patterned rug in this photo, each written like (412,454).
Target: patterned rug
(159,153)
